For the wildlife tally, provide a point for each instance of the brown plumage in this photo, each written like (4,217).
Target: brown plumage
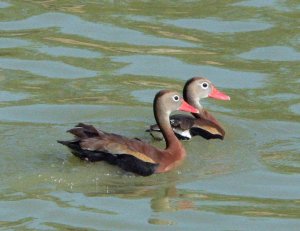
(202,123)
(132,154)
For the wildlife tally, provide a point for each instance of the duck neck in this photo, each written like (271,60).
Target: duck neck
(195,102)
(163,121)
(202,114)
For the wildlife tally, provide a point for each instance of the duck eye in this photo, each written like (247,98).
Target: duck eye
(204,85)
(175,98)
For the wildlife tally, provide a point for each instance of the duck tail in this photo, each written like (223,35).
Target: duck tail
(83,131)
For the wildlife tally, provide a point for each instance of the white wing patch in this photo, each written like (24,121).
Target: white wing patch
(184,133)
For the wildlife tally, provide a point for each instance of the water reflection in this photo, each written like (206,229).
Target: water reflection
(162,201)
(57,114)
(152,65)
(262,3)
(13,42)
(47,68)
(102,63)
(145,96)
(274,53)
(296,108)
(4,4)
(69,52)
(216,25)
(70,24)
(12,96)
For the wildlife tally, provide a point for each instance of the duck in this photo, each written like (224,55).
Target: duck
(198,124)
(132,154)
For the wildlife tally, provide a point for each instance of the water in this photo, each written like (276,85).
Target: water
(63,62)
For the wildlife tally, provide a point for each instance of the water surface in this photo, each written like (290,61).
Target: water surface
(65,62)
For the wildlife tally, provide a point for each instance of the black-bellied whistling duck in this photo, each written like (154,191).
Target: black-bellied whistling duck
(134,155)
(202,123)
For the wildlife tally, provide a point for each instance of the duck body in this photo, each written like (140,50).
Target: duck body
(186,126)
(198,124)
(133,155)
(205,125)
(94,145)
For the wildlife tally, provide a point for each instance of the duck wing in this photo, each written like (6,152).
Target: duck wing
(207,125)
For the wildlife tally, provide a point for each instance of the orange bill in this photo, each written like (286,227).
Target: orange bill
(216,94)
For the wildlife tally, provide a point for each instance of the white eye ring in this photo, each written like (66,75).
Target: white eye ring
(176,98)
(204,85)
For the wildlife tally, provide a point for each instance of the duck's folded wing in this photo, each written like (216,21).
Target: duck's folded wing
(129,154)
(208,123)
(209,127)
(110,146)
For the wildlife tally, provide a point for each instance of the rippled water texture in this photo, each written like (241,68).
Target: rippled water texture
(101,62)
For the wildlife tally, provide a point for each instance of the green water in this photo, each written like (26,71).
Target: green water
(101,62)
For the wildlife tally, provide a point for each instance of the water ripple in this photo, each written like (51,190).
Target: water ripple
(70,24)
(69,52)
(296,108)
(257,3)
(57,114)
(12,43)
(12,96)
(145,96)
(273,53)
(42,211)
(4,4)
(151,65)
(275,4)
(216,25)
(51,69)
(255,184)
